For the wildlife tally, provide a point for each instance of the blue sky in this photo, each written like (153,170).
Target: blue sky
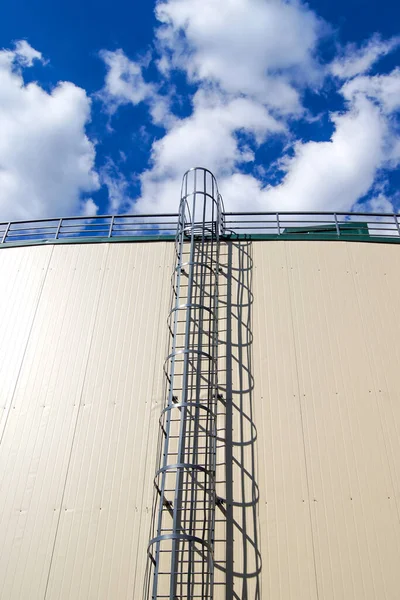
(294,106)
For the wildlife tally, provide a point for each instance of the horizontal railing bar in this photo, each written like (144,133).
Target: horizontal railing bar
(84,229)
(147,215)
(107,225)
(53,220)
(143,229)
(82,233)
(115,233)
(283,222)
(149,226)
(130,216)
(332,213)
(18,235)
(84,225)
(144,223)
(343,232)
(51,227)
(305,224)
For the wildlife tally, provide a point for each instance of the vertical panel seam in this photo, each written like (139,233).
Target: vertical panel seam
(291,310)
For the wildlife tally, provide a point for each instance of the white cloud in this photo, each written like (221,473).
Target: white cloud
(250,61)
(227,47)
(89,208)
(208,137)
(117,186)
(385,89)
(248,58)
(46,159)
(378,204)
(26,54)
(356,61)
(335,174)
(247,47)
(124,82)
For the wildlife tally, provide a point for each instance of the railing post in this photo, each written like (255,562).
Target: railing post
(5,233)
(336,224)
(111,227)
(278,224)
(396,220)
(58,229)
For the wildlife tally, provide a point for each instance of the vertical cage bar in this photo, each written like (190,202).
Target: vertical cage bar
(180,550)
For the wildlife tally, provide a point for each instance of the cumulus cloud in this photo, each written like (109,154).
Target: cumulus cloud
(378,204)
(26,54)
(46,159)
(89,208)
(385,89)
(336,173)
(247,47)
(356,61)
(250,62)
(124,82)
(117,186)
(209,134)
(220,133)
(319,175)
(331,175)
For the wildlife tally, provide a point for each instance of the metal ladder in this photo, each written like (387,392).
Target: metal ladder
(180,552)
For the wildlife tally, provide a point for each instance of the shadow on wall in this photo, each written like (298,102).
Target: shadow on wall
(237,555)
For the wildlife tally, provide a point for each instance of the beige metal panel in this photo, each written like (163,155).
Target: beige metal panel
(37,443)
(336,297)
(379,316)
(22,274)
(100,550)
(311,418)
(286,544)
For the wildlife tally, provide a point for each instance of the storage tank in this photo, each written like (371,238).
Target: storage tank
(303,495)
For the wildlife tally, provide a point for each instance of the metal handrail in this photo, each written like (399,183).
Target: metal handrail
(336,224)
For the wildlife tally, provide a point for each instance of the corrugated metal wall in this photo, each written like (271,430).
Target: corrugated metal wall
(327,410)
(309,444)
